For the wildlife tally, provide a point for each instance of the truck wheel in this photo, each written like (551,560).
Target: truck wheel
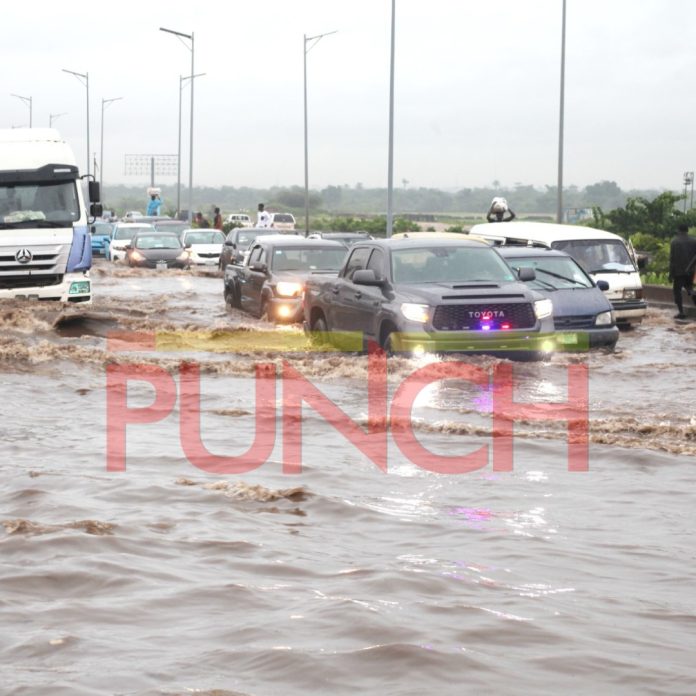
(231,297)
(263,312)
(320,332)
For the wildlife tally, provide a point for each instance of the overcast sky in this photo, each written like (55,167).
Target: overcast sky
(476,97)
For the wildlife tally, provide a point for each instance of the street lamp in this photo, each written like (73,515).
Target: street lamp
(53,117)
(26,100)
(559,207)
(315,40)
(85,77)
(105,102)
(688,181)
(182,80)
(390,167)
(182,36)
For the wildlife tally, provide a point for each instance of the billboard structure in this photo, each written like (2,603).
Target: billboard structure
(160,165)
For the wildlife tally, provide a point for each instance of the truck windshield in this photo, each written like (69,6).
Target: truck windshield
(445,264)
(598,255)
(308,259)
(48,203)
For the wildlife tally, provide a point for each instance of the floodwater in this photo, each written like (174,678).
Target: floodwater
(341,579)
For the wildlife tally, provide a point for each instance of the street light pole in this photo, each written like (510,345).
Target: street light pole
(53,117)
(306,50)
(182,36)
(390,167)
(26,100)
(559,207)
(182,79)
(105,102)
(85,77)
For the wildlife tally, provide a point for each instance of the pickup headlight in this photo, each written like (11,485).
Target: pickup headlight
(543,309)
(416,312)
(285,289)
(604,319)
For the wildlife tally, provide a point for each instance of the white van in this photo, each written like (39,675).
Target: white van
(282,221)
(241,219)
(604,255)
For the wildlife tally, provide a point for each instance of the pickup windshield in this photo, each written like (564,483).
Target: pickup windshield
(48,204)
(308,259)
(598,255)
(445,264)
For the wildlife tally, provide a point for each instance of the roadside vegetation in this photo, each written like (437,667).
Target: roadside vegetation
(650,225)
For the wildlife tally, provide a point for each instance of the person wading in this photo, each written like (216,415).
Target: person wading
(682,260)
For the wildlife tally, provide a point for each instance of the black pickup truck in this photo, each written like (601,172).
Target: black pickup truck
(271,281)
(443,295)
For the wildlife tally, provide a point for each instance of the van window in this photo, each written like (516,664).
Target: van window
(598,255)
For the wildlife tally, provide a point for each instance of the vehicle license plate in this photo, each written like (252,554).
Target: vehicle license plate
(568,339)
(211,262)
(161,266)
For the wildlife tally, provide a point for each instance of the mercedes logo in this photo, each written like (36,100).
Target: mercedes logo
(24,256)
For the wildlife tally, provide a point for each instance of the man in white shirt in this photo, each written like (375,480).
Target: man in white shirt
(263,219)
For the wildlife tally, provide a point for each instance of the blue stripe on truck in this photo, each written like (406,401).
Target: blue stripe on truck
(80,258)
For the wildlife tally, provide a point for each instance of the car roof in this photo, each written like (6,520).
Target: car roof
(544,232)
(134,224)
(428,235)
(515,251)
(296,240)
(415,243)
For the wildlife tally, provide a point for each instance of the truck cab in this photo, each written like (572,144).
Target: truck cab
(45,241)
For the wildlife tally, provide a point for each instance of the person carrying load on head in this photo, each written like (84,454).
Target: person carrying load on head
(499,208)
(154,204)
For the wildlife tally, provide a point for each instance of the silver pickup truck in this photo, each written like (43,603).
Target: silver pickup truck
(439,295)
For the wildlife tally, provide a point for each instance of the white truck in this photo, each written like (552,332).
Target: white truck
(45,245)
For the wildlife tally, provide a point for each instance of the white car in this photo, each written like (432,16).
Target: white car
(282,221)
(241,219)
(204,246)
(120,238)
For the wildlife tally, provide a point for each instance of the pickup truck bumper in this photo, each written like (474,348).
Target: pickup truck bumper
(499,343)
(74,287)
(288,309)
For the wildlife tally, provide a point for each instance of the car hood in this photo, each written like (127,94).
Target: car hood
(206,248)
(576,302)
(434,293)
(157,254)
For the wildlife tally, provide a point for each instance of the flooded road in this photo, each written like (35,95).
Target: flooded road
(341,579)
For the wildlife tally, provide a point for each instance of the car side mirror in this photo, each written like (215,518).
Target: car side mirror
(230,243)
(603,285)
(367,277)
(259,267)
(525,274)
(187,245)
(96,210)
(642,261)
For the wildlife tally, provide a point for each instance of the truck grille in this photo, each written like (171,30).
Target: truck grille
(463,317)
(29,281)
(45,260)
(582,322)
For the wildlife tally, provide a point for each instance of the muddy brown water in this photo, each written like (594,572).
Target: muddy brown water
(342,579)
